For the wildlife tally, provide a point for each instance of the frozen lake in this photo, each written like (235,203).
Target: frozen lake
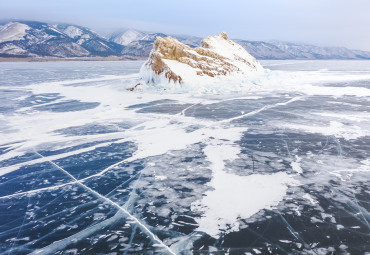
(278,165)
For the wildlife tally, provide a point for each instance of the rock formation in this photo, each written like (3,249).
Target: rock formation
(173,62)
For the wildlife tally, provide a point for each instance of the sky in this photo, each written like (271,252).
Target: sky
(320,22)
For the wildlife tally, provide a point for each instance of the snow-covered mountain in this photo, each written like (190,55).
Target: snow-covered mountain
(288,50)
(138,44)
(91,41)
(126,37)
(142,46)
(38,39)
(13,31)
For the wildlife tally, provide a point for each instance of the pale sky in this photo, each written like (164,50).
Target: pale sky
(321,22)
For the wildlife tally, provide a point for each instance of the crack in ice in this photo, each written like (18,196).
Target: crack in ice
(266,107)
(136,220)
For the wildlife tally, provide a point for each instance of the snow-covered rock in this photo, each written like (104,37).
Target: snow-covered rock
(217,59)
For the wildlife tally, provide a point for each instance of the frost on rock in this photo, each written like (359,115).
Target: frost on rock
(216,59)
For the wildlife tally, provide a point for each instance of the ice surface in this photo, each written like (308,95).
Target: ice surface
(89,167)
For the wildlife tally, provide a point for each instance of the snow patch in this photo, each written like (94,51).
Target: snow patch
(73,31)
(127,37)
(335,128)
(235,196)
(296,166)
(12,49)
(309,198)
(13,31)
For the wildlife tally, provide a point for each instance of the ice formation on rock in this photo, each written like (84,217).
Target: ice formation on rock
(217,58)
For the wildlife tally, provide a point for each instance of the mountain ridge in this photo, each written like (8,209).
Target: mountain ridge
(25,39)
(40,39)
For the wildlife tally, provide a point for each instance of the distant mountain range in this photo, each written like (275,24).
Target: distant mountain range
(38,39)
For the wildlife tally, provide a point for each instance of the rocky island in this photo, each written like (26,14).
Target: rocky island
(217,59)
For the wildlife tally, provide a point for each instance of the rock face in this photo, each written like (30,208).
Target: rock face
(217,57)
